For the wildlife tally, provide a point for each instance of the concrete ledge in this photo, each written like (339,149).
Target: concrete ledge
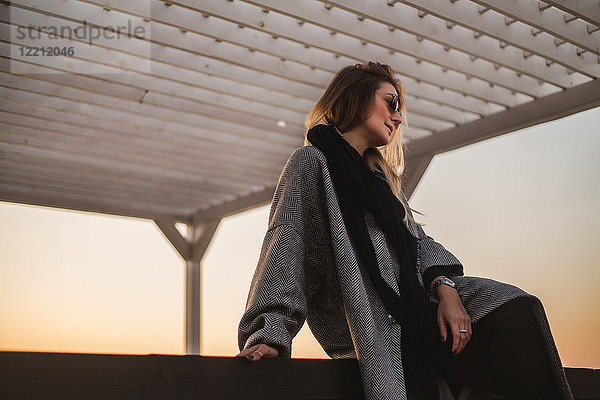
(29,375)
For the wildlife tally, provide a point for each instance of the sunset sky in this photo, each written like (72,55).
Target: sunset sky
(522,208)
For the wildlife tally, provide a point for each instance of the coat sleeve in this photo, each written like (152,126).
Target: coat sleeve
(276,307)
(432,258)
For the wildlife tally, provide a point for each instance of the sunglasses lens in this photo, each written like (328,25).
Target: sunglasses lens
(394,104)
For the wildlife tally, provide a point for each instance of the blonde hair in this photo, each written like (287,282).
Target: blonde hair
(346,103)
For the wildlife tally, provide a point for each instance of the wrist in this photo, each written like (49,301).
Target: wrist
(444,291)
(431,286)
(442,281)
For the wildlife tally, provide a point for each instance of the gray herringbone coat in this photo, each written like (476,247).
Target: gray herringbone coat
(308,269)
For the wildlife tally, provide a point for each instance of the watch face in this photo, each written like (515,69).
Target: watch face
(448,282)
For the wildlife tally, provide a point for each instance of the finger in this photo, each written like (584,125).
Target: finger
(455,338)
(465,336)
(247,351)
(263,351)
(469,330)
(443,330)
(460,343)
(258,353)
(463,341)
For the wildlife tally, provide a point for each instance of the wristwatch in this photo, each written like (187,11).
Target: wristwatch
(442,280)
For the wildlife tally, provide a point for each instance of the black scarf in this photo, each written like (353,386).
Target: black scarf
(359,190)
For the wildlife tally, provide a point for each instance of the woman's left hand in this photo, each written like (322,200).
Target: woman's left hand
(452,312)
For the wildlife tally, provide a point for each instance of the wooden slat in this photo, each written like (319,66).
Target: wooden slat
(198,158)
(86,202)
(158,196)
(31,152)
(127,157)
(172,130)
(65,175)
(15,157)
(178,192)
(53,108)
(113,105)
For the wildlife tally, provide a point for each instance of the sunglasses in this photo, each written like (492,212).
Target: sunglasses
(394,103)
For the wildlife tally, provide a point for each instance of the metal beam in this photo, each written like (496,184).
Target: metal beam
(238,205)
(406,18)
(578,98)
(180,243)
(201,52)
(549,20)
(413,172)
(195,85)
(587,10)
(422,150)
(217,27)
(423,114)
(263,40)
(205,69)
(348,44)
(437,111)
(379,35)
(466,14)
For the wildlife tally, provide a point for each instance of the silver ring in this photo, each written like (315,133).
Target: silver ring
(462,330)
(261,354)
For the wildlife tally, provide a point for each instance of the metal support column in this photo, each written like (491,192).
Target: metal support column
(191,248)
(193,285)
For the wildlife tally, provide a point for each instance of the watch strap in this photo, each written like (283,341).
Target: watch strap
(441,281)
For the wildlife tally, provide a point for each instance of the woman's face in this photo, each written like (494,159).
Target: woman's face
(381,122)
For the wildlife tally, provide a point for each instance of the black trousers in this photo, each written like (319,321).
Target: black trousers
(506,355)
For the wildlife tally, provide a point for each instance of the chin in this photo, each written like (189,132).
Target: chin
(380,144)
(385,140)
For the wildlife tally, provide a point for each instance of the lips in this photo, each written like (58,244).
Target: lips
(389,128)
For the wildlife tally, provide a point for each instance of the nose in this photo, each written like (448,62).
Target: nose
(397,118)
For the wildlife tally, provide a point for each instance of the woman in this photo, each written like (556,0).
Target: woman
(343,251)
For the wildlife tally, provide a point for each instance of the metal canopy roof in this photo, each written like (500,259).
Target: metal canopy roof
(195,120)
